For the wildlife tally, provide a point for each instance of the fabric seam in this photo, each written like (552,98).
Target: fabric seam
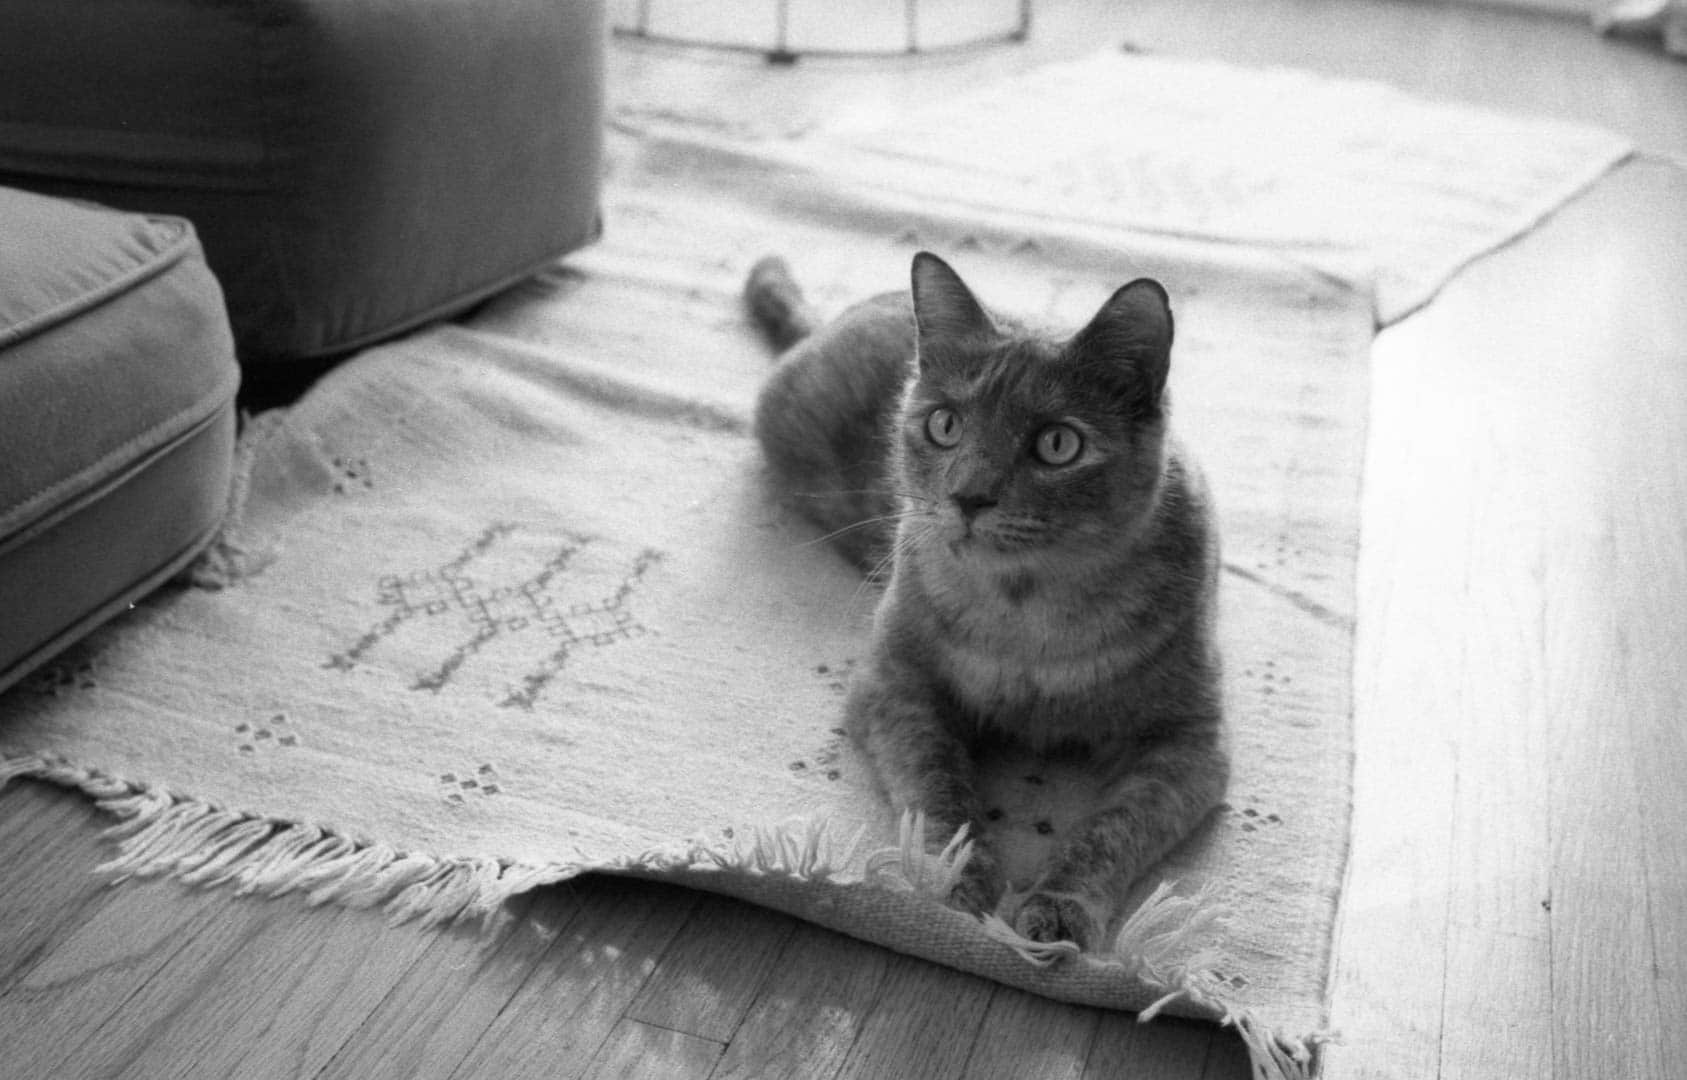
(143,270)
(52,501)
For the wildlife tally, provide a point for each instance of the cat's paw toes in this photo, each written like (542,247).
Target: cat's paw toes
(1049,918)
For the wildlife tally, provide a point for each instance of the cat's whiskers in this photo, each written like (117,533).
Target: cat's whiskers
(902,541)
(878,519)
(830,494)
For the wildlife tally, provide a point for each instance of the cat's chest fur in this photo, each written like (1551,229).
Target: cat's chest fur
(1043,659)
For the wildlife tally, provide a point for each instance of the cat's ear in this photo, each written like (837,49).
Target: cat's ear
(944,308)
(1133,330)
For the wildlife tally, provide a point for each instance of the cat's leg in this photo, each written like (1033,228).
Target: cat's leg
(1152,805)
(896,716)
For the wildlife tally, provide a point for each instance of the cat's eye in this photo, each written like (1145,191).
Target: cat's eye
(943,427)
(1058,444)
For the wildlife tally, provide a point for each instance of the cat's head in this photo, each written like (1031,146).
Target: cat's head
(1019,446)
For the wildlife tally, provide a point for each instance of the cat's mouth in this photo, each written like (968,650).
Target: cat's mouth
(984,536)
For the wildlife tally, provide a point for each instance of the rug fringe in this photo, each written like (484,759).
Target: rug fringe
(198,843)
(1162,944)
(911,866)
(803,850)
(1166,944)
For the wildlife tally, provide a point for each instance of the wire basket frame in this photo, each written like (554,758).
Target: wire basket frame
(781,50)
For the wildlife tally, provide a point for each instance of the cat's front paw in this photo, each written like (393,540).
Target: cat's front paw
(1047,918)
(981,886)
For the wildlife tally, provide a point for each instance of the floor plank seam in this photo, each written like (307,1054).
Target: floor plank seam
(763,986)
(653,1025)
(972,1044)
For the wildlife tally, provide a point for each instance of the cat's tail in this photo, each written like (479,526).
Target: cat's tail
(777,303)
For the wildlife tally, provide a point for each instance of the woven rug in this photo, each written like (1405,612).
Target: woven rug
(508,601)
(1353,178)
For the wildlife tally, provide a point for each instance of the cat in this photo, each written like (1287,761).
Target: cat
(1050,562)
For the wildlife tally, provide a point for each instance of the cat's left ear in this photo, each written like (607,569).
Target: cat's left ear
(1133,329)
(945,311)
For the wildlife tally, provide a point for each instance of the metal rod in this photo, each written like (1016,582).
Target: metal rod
(782,53)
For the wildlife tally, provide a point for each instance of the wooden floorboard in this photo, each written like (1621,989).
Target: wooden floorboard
(281,1002)
(706,983)
(1645,466)
(555,1023)
(1391,959)
(1170,1050)
(57,843)
(436,1013)
(1518,900)
(1025,1035)
(1661,748)
(636,1050)
(118,986)
(810,1011)
(1609,675)
(922,1024)
(1497,1014)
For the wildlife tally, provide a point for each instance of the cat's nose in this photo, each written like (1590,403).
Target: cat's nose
(971,505)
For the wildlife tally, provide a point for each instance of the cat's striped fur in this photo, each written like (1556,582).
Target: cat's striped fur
(1050,553)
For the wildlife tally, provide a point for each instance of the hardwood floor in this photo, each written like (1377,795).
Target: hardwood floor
(1517,905)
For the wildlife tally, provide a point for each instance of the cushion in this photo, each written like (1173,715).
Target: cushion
(117,382)
(353,167)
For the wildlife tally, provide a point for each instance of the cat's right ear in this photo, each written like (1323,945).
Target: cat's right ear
(945,311)
(1133,331)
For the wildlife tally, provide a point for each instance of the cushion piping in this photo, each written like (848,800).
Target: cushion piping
(183,242)
(167,432)
(100,489)
(166,570)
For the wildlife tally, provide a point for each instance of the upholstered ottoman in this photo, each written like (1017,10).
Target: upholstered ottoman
(117,383)
(353,167)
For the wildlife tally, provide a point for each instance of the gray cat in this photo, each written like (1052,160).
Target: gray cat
(1051,558)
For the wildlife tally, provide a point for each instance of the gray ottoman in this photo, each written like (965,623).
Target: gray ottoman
(117,384)
(354,168)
